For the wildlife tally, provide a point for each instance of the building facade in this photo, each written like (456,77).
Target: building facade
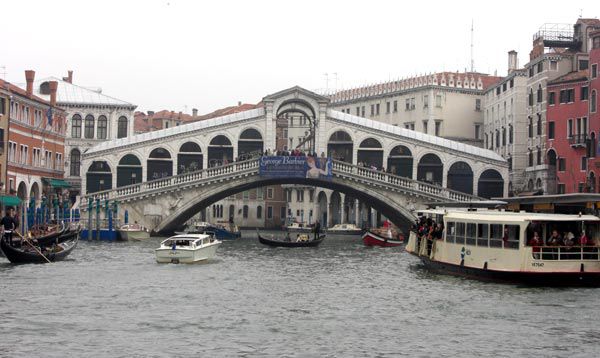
(505,127)
(444,104)
(92,118)
(35,143)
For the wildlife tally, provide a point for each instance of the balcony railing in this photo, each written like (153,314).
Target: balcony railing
(578,140)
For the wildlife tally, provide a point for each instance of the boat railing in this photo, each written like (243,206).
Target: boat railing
(566,253)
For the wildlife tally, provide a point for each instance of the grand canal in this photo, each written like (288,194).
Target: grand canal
(339,300)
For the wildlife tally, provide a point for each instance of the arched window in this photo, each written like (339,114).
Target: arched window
(245,211)
(539,94)
(259,212)
(76,126)
(510,133)
(531,97)
(539,124)
(122,127)
(75,160)
(530,158)
(89,127)
(539,157)
(102,127)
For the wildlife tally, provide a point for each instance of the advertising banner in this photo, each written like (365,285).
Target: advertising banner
(295,167)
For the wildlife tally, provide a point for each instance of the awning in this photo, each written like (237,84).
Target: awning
(9,200)
(57,183)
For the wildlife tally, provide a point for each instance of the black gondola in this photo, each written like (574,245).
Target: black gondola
(56,236)
(27,254)
(283,243)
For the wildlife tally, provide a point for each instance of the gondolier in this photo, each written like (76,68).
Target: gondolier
(10,224)
(317,229)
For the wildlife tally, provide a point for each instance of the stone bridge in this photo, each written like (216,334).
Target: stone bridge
(165,177)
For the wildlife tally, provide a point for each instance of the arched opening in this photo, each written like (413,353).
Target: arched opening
(250,144)
(490,184)
(75,162)
(220,151)
(189,158)
(34,193)
(22,193)
(129,170)
(295,124)
(538,183)
(400,161)
(336,208)
(430,169)
(98,177)
(530,185)
(460,177)
(259,212)
(159,164)
(370,153)
(322,207)
(340,146)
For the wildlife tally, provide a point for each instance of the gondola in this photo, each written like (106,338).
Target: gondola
(51,237)
(283,243)
(29,254)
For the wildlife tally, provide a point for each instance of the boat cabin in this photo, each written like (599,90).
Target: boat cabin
(188,241)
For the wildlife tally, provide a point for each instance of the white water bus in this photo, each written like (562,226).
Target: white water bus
(499,245)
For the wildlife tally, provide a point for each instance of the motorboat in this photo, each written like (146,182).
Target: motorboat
(135,232)
(381,237)
(187,249)
(29,250)
(301,240)
(345,229)
(298,227)
(521,247)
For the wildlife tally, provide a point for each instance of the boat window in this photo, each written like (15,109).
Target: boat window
(460,233)
(451,231)
(482,235)
(471,233)
(496,235)
(514,235)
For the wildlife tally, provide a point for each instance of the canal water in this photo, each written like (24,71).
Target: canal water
(339,300)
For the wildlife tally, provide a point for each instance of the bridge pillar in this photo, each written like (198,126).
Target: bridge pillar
(329,212)
(415,168)
(342,208)
(356,212)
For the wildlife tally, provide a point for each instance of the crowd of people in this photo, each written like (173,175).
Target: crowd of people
(428,229)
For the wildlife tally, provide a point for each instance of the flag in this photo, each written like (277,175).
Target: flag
(49,116)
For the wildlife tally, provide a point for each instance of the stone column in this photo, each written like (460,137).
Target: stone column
(356,212)
(329,212)
(342,208)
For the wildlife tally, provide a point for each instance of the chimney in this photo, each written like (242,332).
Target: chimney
(180,115)
(513,61)
(29,76)
(239,103)
(69,77)
(194,112)
(150,113)
(53,87)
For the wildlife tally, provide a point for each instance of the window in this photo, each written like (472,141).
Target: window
(245,212)
(451,232)
(2,105)
(311,195)
(561,188)
(395,106)
(539,124)
(498,90)
(496,235)
(539,94)
(503,136)
(530,97)
(372,109)
(497,138)
(569,128)
(471,234)
(388,106)
(438,100)
(553,65)
(410,126)
(425,126)
(512,83)
(514,235)
(259,212)
(102,127)
(567,96)
(584,93)
(593,102)
(407,105)
(58,162)
(482,235)
(122,127)
(270,212)
(425,101)
(260,193)
(89,126)
(269,193)
(377,109)
(75,161)
(583,163)
(511,134)
(562,164)
(551,130)
(539,157)
(551,98)
(362,111)
(477,130)
(76,126)
(540,67)
(358,111)
(530,127)
(583,65)
(531,71)
(530,161)
(300,195)
(438,125)
(594,70)
(246,195)
(478,104)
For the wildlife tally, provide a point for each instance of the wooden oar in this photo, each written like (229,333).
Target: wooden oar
(35,248)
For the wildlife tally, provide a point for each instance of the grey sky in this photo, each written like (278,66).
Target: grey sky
(169,54)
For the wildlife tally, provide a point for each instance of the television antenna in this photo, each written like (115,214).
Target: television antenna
(3,72)
(472,60)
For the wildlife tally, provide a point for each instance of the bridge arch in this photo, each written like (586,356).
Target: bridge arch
(299,105)
(98,176)
(189,157)
(220,150)
(460,177)
(159,164)
(340,146)
(250,142)
(129,170)
(430,169)
(490,184)
(370,153)
(400,161)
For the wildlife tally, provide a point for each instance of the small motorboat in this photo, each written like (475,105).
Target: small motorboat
(187,249)
(298,227)
(135,232)
(345,229)
(302,240)
(379,237)
(25,250)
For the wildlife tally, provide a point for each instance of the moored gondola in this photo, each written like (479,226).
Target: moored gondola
(29,252)
(304,241)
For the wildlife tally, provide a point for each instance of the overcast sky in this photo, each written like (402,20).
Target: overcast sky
(178,55)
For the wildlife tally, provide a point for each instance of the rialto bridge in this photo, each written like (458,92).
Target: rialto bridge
(172,174)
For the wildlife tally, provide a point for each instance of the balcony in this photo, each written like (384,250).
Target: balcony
(578,140)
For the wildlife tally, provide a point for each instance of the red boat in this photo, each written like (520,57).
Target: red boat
(372,238)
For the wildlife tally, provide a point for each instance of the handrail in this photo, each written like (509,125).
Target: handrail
(564,253)
(340,169)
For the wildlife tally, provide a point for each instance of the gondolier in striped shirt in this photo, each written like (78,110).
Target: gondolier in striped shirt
(9,224)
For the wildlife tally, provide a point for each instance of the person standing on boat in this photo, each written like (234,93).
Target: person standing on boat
(10,224)
(317,229)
